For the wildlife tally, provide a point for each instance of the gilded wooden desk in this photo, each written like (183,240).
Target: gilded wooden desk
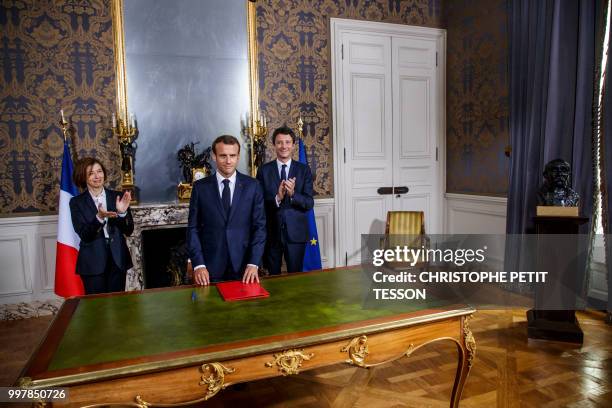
(162,347)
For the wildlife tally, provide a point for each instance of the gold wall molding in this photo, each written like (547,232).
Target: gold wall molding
(119,52)
(252,51)
(121,73)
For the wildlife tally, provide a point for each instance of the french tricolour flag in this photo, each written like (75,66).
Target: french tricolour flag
(67,282)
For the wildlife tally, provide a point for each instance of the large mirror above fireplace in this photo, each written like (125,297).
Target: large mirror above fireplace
(185,68)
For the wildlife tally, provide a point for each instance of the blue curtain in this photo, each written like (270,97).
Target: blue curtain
(606,151)
(552,61)
(606,165)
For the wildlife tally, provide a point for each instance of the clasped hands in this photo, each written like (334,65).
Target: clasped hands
(202,277)
(122,205)
(286,187)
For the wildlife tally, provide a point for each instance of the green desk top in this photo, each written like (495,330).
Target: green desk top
(127,326)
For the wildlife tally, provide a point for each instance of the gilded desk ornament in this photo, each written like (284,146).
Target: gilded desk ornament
(470,342)
(24,382)
(357,350)
(215,378)
(123,404)
(289,361)
(408,352)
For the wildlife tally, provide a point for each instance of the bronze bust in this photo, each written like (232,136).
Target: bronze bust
(556,189)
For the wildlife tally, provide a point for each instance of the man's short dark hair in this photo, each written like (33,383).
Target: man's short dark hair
(79,175)
(225,139)
(283,130)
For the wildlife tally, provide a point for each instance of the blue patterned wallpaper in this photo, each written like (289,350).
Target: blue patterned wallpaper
(59,54)
(54,55)
(477,102)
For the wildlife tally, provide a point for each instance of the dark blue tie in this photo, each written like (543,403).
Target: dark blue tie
(226,196)
(284,177)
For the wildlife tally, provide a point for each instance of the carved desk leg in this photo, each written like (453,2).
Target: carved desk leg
(467,352)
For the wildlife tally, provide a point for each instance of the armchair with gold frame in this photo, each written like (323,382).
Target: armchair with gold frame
(406,228)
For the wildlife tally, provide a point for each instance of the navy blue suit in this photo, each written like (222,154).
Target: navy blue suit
(226,243)
(102,263)
(287,224)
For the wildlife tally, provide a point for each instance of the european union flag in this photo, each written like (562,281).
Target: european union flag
(312,255)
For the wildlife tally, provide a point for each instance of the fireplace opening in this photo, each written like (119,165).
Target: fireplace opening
(165,256)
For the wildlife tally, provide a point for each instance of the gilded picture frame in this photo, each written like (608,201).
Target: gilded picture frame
(120,68)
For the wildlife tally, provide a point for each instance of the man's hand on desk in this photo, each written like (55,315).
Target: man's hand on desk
(250,274)
(201,276)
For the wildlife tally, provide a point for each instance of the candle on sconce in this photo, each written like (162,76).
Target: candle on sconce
(62,114)
(133,120)
(114,120)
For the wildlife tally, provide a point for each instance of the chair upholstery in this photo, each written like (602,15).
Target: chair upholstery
(405,223)
(406,228)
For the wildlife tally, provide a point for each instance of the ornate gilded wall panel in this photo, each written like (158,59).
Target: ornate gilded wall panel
(294,63)
(54,55)
(477,101)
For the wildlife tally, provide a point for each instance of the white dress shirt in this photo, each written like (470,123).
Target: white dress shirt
(279,165)
(100,200)
(232,185)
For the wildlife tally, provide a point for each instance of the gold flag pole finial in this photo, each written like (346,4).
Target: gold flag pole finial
(63,124)
(300,124)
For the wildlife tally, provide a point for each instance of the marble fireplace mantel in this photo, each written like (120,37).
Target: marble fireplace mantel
(150,216)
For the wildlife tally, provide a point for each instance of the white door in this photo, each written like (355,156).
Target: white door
(387,106)
(415,129)
(368,147)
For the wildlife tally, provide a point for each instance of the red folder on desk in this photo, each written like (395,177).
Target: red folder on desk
(236,290)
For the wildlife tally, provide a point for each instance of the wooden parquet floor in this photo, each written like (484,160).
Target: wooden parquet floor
(509,371)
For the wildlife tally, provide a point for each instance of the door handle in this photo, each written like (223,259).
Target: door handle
(385,190)
(392,190)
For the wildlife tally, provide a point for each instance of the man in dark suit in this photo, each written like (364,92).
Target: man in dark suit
(101,217)
(287,186)
(226,232)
